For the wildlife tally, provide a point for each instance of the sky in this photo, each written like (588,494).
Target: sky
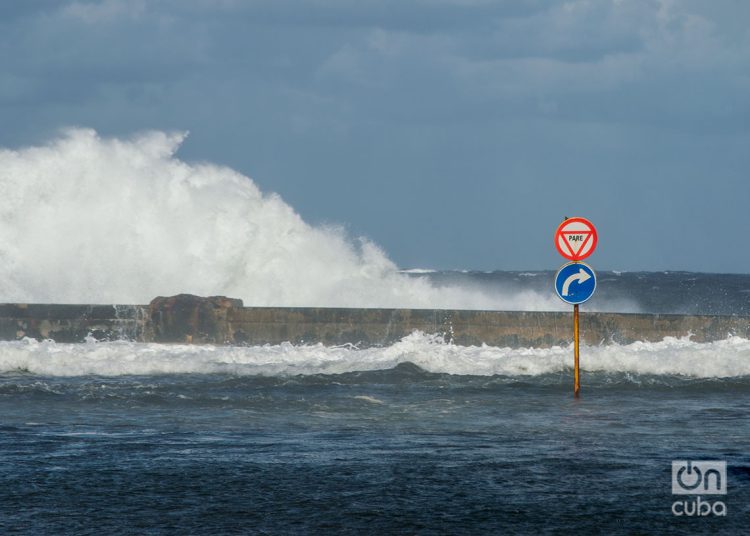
(456,134)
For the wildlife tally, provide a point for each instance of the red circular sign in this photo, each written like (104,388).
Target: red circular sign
(575,239)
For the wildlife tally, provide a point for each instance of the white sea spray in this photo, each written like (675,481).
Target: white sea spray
(87,219)
(721,359)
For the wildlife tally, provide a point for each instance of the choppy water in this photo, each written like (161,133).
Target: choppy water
(625,292)
(420,437)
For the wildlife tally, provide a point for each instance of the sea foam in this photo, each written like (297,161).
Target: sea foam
(88,219)
(721,359)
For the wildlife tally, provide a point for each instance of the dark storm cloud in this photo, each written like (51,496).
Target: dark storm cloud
(427,125)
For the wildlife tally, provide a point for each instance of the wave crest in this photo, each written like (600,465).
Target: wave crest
(670,357)
(88,219)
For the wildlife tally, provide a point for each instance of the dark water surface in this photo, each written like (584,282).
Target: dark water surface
(646,292)
(399,451)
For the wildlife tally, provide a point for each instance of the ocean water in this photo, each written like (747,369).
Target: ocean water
(420,437)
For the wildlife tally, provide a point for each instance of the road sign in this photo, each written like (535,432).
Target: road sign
(575,282)
(575,239)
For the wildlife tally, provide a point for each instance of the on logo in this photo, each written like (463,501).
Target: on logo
(699,477)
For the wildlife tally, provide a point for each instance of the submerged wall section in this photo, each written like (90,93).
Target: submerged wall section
(220,320)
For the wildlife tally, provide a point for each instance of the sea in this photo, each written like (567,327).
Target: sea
(420,437)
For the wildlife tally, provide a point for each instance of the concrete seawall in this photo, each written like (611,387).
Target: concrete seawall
(220,320)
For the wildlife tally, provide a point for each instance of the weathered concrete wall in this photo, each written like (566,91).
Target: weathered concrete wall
(187,318)
(372,327)
(220,320)
(71,323)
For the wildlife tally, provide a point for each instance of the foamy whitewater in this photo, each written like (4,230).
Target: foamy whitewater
(680,357)
(92,220)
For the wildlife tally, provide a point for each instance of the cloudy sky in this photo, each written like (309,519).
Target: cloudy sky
(454,133)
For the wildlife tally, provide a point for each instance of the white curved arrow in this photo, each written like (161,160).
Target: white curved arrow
(581,276)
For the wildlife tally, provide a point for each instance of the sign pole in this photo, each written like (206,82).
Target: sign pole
(576,377)
(575,282)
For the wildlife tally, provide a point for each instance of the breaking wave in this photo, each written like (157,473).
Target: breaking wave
(671,357)
(92,220)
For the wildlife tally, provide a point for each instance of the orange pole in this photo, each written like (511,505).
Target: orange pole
(576,376)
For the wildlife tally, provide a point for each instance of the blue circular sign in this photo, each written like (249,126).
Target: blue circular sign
(575,282)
